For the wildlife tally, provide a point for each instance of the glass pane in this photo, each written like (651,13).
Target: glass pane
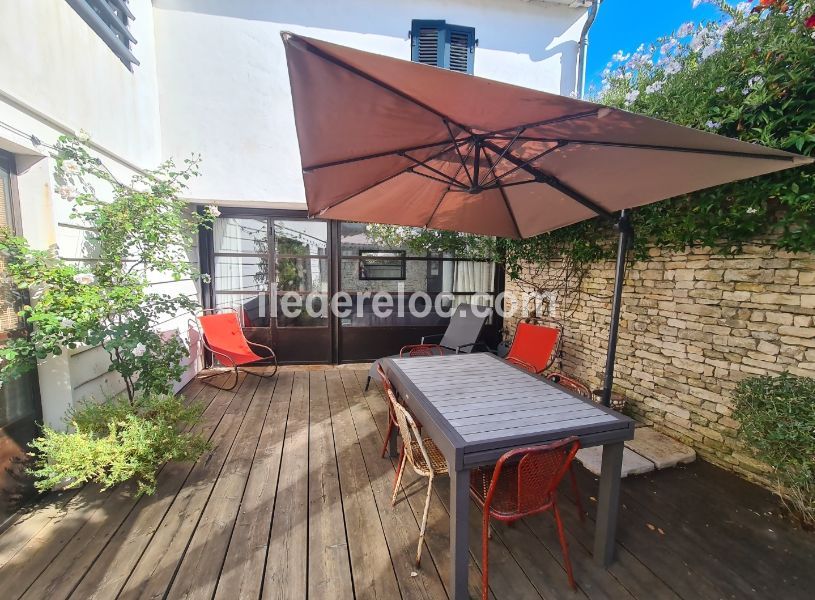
(240,273)
(240,236)
(253,310)
(371,310)
(302,275)
(354,237)
(301,238)
(16,401)
(302,310)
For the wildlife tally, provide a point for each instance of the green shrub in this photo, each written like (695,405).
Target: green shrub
(118,441)
(777,416)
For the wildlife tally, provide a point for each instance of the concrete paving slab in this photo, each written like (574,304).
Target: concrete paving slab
(633,463)
(660,449)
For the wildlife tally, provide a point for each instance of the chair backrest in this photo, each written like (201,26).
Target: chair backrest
(535,345)
(410,434)
(570,383)
(224,336)
(538,472)
(421,350)
(465,327)
(386,383)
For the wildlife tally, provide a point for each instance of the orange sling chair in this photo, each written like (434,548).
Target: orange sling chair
(222,335)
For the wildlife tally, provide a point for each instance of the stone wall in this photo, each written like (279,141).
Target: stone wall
(693,324)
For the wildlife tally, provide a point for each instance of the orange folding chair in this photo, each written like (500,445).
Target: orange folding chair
(524,482)
(535,347)
(222,335)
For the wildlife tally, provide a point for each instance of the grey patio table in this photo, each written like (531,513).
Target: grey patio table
(476,407)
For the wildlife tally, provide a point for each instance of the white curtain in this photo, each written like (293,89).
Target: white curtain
(475,277)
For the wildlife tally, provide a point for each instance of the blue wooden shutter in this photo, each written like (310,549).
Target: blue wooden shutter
(427,41)
(441,45)
(460,48)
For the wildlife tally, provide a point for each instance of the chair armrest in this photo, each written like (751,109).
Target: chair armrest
(473,345)
(427,337)
(271,352)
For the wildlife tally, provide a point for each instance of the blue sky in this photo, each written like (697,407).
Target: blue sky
(625,24)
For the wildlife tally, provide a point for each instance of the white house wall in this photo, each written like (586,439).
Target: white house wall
(224,88)
(56,77)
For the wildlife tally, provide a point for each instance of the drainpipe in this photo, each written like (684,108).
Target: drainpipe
(583,46)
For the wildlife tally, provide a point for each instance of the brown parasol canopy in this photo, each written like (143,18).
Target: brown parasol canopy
(384,140)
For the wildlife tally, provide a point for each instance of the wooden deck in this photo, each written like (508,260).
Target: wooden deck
(293,501)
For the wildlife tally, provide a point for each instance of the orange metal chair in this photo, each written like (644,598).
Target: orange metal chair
(535,346)
(222,335)
(570,383)
(523,483)
(421,350)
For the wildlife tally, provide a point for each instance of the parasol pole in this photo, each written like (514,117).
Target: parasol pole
(626,232)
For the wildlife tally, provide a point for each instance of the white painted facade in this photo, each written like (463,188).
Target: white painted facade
(223,84)
(213,80)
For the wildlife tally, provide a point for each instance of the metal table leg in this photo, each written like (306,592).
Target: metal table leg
(608,504)
(459,533)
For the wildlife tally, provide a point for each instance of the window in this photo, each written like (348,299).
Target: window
(110,20)
(379,265)
(441,45)
(17,400)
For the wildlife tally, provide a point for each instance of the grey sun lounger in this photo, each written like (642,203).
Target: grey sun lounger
(461,336)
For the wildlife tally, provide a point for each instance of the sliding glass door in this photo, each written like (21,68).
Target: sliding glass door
(279,271)
(423,288)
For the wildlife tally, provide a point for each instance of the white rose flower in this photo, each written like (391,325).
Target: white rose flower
(139,350)
(752,210)
(67,192)
(720,89)
(70,166)
(213,212)
(83,136)
(67,323)
(84,278)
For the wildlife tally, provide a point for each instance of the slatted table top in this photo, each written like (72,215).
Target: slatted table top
(483,405)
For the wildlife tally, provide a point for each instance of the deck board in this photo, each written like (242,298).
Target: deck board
(293,501)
